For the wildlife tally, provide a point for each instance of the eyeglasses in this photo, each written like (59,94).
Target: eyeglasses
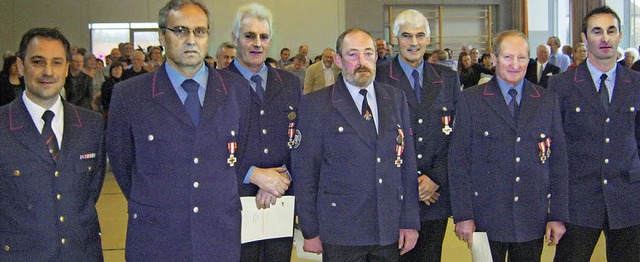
(184,32)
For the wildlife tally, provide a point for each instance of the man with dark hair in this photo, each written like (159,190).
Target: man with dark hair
(267,138)
(78,85)
(508,161)
(172,140)
(432,93)
(599,101)
(285,54)
(355,165)
(52,159)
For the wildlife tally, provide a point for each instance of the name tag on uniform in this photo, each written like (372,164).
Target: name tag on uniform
(88,156)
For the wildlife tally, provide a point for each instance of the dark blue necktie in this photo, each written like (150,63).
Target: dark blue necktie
(192,103)
(47,133)
(604,92)
(417,88)
(513,104)
(367,114)
(259,90)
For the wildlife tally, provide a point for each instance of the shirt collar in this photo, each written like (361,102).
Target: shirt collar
(504,88)
(36,112)
(177,78)
(408,70)
(595,74)
(248,74)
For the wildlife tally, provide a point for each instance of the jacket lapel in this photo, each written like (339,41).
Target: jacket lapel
(622,91)
(588,90)
(432,84)
(494,99)
(21,125)
(274,84)
(342,101)
(399,79)
(385,119)
(163,93)
(214,95)
(529,104)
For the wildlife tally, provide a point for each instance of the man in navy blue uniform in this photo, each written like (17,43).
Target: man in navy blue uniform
(432,92)
(599,101)
(507,159)
(354,169)
(268,135)
(52,162)
(172,140)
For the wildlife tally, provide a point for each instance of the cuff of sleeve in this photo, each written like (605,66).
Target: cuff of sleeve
(247,177)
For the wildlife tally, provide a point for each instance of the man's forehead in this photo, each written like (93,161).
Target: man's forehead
(410,28)
(603,21)
(37,44)
(250,24)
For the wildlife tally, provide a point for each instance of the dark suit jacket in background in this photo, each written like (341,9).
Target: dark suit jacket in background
(604,169)
(532,73)
(495,173)
(30,181)
(348,189)
(440,92)
(158,156)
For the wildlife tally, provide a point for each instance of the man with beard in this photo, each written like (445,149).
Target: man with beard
(356,190)
(172,136)
(432,91)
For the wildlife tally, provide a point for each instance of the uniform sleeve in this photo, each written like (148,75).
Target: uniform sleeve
(306,161)
(120,147)
(460,164)
(559,177)
(410,218)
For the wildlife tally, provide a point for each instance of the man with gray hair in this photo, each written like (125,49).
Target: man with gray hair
(539,70)
(269,135)
(172,138)
(225,55)
(432,92)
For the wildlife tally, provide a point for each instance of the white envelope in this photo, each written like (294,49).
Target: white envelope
(273,222)
(480,250)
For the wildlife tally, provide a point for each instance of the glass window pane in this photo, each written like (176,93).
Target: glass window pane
(145,39)
(103,40)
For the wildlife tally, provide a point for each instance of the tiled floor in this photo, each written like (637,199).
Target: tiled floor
(112,209)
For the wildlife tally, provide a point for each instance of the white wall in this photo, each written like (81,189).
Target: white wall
(315,22)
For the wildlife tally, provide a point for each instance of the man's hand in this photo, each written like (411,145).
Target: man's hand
(264,199)
(464,231)
(407,240)
(313,245)
(273,180)
(555,230)
(427,190)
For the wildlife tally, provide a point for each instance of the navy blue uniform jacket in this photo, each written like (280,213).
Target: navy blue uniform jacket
(265,135)
(440,92)
(47,208)
(604,169)
(349,190)
(495,173)
(182,193)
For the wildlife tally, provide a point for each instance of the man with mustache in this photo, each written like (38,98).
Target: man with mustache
(356,190)
(268,136)
(599,101)
(172,140)
(52,162)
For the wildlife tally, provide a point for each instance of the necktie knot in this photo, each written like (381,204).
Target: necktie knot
(363,92)
(513,93)
(190,86)
(259,90)
(603,78)
(47,117)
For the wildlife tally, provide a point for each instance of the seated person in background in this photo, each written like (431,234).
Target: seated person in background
(297,68)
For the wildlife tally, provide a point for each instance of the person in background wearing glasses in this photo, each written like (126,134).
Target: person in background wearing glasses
(172,136)
(267,138)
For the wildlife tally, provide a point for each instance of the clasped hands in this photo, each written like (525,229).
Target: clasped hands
(273,182)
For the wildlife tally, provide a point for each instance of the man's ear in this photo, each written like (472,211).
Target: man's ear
(337,59)
(20,65)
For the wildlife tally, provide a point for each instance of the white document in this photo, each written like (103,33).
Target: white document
(273,222)
(480,250)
